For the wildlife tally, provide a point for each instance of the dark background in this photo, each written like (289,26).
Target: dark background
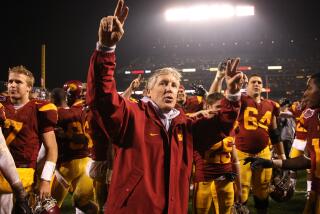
(69,30)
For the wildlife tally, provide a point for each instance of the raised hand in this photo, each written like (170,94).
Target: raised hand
(221,69)
(136,82)
(199,90)
(234,78)
(257,163)
(111,27)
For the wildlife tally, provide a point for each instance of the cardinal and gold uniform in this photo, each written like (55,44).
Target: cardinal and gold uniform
(214,176)
(192,104)
(22,129)
(252,140)
(299,143)
(310,121)
(73,144)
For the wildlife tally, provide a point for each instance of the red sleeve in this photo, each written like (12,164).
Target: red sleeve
(222,123)
(48,116)
(108,107)
(68,115)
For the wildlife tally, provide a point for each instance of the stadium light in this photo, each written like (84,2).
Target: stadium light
(188,70)
(203,12)
(244,68)
(275,67)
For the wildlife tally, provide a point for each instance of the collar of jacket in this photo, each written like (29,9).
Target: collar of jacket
(177,116)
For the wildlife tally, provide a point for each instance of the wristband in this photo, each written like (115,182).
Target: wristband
(48,170)
(233,97)
(104,48)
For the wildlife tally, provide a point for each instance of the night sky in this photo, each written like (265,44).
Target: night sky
(69,30)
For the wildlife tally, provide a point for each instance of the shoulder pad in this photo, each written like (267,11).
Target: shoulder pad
(277,105)
(43,105)
(199,99)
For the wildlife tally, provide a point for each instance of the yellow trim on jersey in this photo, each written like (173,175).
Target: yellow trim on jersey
(276,104)
(199,98)
(224,145)
(48,107)
(78,102)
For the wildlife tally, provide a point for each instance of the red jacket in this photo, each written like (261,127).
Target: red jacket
(152,167)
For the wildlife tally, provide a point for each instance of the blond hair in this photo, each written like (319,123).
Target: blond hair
(162,71)
(23,70)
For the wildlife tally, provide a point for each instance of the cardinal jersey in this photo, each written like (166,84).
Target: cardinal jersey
(193,104)
(213,161)
(73,140)
(254,122)
(24,126)
(310,121)
(296,109)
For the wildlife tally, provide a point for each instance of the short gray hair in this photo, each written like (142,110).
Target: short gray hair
(162,71)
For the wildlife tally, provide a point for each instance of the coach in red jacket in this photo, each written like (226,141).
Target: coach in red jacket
(154,141)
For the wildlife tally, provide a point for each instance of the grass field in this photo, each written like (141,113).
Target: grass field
(294,206)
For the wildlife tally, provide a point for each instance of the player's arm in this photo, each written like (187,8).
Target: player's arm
(133,86)
(298,163)
(50,144)
(231,105)
(275,139)
(236,169)
(202,113)
(218,80)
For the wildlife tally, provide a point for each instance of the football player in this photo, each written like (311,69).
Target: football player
(9,173)
(73,144)
(214,166)
(300,141)
(28,123)
(310,121)
(189,104)
(257,127)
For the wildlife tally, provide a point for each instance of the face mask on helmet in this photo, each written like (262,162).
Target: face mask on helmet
(73,88)
(46,206)
(281,187)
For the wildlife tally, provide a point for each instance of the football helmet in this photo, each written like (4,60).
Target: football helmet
(73,88)
(46,206)
(239,208)
(281,187)
(74,91)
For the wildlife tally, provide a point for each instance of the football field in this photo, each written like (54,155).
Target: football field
(293,206)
